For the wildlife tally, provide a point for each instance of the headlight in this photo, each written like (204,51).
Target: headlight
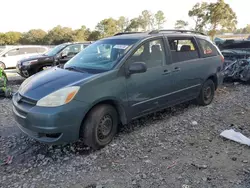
(27,63)
(58,98)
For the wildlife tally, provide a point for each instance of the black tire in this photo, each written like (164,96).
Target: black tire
(2,65)
(207,92)
(100,126)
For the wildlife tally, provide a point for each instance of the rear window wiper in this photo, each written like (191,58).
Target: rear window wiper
(74,68)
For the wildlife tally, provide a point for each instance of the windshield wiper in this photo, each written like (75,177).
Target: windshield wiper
(74,68)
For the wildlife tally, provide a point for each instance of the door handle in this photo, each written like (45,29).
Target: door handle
(176,69)
(165,72)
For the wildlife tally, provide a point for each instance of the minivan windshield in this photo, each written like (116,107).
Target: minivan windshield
(101,55)
(55,50)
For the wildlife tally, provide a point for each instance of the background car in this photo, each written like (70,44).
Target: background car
(10,56)
(58,55)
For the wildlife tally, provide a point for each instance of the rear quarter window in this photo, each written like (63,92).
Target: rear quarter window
(207,48)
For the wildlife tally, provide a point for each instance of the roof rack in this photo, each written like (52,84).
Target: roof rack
(175,31)
(124,33)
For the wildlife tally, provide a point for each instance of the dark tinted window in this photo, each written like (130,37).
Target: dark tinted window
(207,49)
(183,49)
(152,53)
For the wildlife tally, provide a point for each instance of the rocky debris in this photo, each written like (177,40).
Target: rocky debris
(194,123)
(153,151)
(199,166)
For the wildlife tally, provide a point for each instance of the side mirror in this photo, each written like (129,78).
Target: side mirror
(137,67)
(5,55)
(63,54)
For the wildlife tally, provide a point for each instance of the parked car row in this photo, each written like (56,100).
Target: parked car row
(29,60)
(10,56)
(115,80)
(56,56)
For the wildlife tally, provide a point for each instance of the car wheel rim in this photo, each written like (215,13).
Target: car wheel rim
(1,66)
(208,94)
(104,127)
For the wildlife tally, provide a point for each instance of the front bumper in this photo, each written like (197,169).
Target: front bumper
(55,125)
(220,78)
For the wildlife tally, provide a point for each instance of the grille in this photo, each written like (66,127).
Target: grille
(27,100)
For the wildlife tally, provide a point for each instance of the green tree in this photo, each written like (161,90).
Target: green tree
(146,20)
(12,37)
(181,24)
(199,13)
(107,27)
(94,35)
(239,31)
(2,39)
(34,36)
(80,34)
(59,35)
(159,19)
(122,23)
(246,30)
(221,15)
(134,25)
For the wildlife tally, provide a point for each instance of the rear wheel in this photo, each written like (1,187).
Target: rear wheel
(207,92)
(100,126)
(2,65)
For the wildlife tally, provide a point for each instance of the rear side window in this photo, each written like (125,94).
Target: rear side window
(207,49)
(27,51)
(183,49)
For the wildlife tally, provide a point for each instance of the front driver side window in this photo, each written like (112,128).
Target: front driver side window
(151,52)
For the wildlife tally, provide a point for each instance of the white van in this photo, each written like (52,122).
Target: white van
(11,55)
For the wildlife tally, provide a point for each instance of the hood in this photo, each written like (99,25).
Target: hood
(48,81)
(40,57)
(236,51)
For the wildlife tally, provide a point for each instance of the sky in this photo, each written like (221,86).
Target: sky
(23,15)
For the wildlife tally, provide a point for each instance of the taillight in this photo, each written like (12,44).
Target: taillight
(222,58)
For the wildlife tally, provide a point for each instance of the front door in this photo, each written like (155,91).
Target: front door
(145,90)
(186,67)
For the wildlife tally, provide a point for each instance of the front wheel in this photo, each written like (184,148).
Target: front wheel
(100,126)
(207,92)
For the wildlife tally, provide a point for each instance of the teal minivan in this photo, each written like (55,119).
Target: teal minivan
(116,80)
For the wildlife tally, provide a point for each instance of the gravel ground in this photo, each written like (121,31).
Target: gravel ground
(177,147)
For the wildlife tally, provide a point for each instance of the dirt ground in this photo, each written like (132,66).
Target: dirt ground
(179,147)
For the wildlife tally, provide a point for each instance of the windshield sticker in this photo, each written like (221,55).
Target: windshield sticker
(123,47)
